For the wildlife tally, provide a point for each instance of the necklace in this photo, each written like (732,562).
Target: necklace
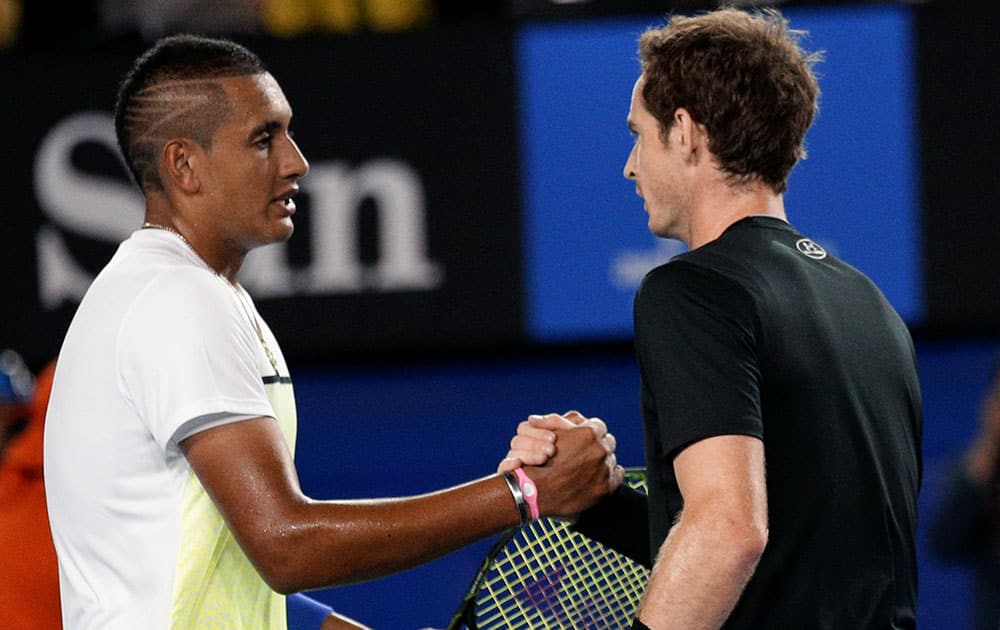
(166,228)
(243,298)
(241,295)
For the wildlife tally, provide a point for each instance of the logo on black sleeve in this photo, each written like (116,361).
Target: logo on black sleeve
(810,248)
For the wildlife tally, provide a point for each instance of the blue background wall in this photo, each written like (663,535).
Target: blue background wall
(587,245)
(397,429)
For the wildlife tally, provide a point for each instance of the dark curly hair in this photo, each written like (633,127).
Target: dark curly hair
(745,78)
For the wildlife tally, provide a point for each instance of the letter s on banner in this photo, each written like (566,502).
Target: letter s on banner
(87,204)
(109,209)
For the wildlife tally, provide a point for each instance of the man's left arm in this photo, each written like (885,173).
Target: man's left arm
(713,548)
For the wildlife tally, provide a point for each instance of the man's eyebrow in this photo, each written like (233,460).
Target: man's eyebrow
(266,127)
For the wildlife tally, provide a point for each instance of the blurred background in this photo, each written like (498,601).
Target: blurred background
(466,250)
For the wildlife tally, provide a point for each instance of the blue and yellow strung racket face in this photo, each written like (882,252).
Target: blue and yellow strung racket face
(546,575)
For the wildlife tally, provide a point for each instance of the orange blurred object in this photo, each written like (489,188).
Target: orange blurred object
(29,576)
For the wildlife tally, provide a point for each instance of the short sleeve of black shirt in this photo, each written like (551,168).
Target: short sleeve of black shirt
(696,335)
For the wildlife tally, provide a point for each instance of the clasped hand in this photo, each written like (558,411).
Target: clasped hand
(556,448)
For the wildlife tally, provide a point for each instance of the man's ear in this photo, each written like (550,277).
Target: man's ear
(692,134)
(179,161)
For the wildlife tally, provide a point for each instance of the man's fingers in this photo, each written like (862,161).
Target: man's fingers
(611,462)
(578,418)
(543,445)
(550,421)
(567,420)
(609,442)
(617,477)
(509,463)
(534,442)
(519,458)
(616,474)
(597,426)
(528,430)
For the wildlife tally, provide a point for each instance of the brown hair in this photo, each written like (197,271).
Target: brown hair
(745,78)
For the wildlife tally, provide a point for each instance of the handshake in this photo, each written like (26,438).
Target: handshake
(568,460)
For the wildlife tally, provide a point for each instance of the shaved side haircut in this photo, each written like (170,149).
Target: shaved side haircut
(171,91)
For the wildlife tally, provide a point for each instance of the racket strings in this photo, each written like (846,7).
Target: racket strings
(575,583)
(549,576)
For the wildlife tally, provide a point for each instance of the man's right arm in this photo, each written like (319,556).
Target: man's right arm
(713,549)
(298,543)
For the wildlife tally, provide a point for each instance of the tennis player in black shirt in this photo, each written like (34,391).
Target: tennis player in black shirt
(780,402)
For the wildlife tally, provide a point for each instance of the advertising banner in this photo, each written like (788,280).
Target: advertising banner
(408,234)
(466,185)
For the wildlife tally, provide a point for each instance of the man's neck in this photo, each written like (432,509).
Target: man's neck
(726,205)
(213,250)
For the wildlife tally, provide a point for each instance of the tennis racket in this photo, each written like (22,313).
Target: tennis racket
(547,576)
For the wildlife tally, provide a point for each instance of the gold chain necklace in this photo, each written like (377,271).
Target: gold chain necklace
(246,305)
(237,289)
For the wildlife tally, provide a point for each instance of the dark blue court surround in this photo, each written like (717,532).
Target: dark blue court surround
(404,429)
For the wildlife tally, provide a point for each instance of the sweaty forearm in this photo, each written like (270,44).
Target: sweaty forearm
(297,543)
(329,543)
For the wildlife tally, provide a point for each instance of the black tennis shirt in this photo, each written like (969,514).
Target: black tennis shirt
(763,333)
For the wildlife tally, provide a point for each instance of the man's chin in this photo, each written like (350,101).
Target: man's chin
(283,230)
(657,230)
(278,233)
(664,231)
